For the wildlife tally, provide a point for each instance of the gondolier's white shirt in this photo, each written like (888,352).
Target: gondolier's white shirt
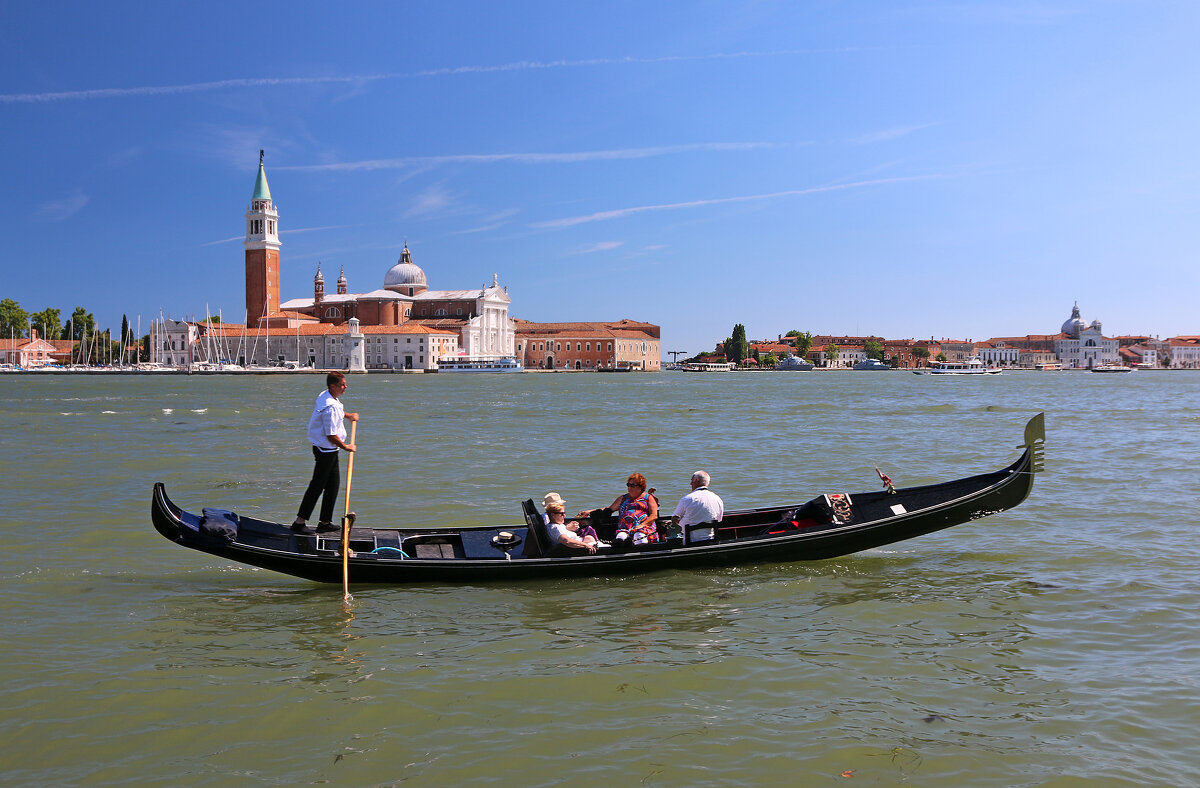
(326,420)
(701,505)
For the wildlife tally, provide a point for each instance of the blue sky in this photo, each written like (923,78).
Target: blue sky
(909,169)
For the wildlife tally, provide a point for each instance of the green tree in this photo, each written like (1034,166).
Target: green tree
(921,353)
(48,322)
(736,347)
(82,323)
(941,357)
(831,354)
(873,349)
(804,343)
(792,333)
(14,321)
(768,360)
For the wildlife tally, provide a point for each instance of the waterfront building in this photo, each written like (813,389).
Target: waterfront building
(1140,355)
(1038,359)
(1182,352)
(847,355)
(621,345)
(957,350)
(899,353)
(305,344)
(28,353)
(998,355)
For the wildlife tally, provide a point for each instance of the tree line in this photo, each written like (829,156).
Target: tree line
(736,348)
(94,344)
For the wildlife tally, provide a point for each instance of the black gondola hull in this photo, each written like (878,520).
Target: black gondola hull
(878,518)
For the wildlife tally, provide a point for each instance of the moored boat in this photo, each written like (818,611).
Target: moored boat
(792,363)
(467,364)
(1118,368)
(871,365)
(972,367)
(707,366)
(826,526)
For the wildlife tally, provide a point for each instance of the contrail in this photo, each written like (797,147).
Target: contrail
(523,65)
(525,158)
(620,212)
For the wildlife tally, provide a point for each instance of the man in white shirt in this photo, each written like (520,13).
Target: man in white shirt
(327,434)
(701,505)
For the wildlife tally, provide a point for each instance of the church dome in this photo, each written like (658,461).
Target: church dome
(1074,323)
(404,274)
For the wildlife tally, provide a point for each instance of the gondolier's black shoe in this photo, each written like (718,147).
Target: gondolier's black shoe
(328,528)
(301,528)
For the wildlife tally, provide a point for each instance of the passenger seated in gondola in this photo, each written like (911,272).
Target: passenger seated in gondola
(637,511)
(564,533)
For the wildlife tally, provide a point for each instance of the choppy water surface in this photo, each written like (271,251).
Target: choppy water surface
(1055,644)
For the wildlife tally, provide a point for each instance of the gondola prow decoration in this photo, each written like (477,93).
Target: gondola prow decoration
(1035,441)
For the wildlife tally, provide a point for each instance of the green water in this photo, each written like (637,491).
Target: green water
(1055,644)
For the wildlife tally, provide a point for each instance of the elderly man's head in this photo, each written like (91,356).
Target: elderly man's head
(700,479)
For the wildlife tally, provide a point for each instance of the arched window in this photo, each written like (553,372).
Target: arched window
(333,311)
(408,312)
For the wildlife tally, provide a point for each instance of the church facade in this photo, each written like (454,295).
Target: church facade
(478,316)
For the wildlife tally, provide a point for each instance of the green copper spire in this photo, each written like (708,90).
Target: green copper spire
(261,190)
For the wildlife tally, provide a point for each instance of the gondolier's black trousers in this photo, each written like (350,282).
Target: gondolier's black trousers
(324,484)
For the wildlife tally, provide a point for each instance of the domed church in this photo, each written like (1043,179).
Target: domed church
(1082,345)
(478,315)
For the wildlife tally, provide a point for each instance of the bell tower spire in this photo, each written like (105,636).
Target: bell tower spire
(262,251)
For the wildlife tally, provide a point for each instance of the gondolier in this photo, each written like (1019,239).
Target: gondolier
(327,434)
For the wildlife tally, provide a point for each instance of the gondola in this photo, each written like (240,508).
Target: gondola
(828,526)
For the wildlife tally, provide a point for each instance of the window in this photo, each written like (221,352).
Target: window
(610,347)
(558,345)
(589,347)
(333,311)
(409,340)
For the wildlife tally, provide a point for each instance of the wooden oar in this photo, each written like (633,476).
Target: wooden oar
(347,521)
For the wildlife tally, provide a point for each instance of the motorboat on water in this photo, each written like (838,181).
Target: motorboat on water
(827,526)
(707,366)
(792,363)
(468,364)
(971,367)
(1112,368)
(871,364)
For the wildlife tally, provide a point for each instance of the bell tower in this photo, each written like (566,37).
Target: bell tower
(262,251)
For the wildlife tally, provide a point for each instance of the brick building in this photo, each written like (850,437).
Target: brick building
(621,345)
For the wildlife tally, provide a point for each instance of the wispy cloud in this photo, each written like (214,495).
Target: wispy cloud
(433,200)
(62,209)
(603,246)
(493,222)
(526,158)
(622,212)
(889,134)
(359,80)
